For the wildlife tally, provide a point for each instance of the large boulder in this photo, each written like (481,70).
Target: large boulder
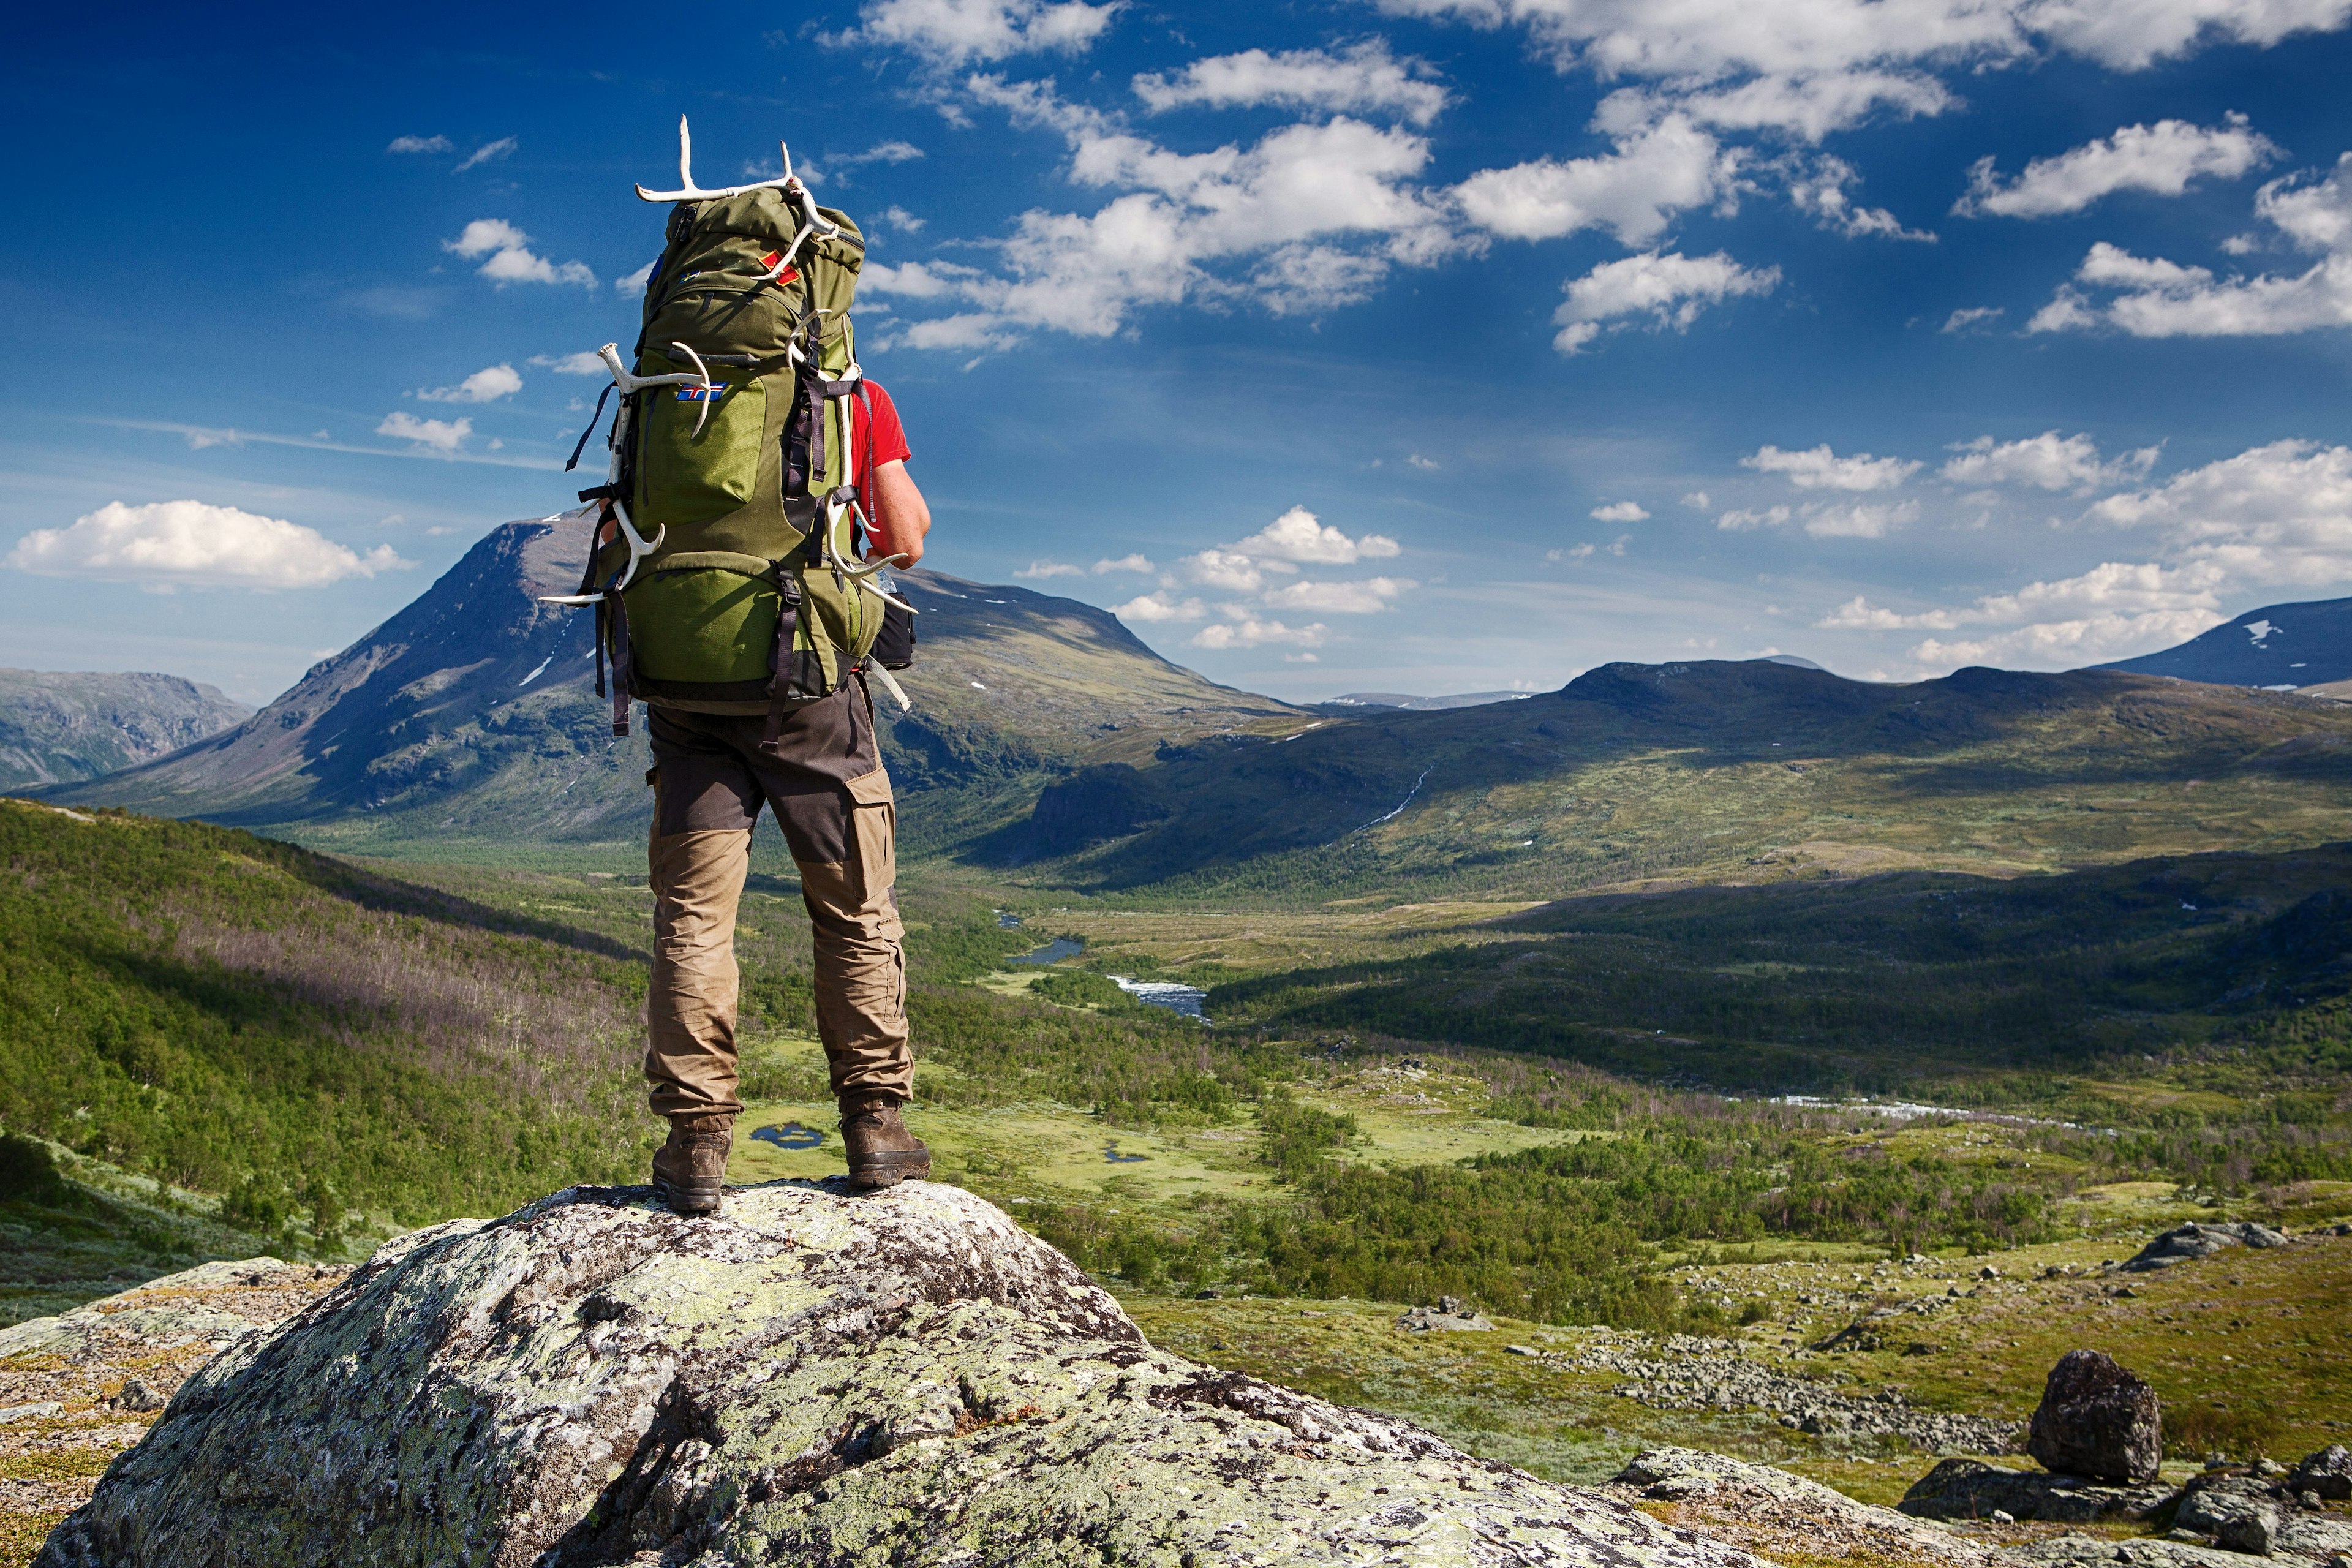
(2327,1472)
(811,1378)
(2098,1420)
(2187,1242)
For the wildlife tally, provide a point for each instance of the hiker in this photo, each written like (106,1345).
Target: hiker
(825,784)
(758,487)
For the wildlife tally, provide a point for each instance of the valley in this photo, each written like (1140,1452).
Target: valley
(1725,1022)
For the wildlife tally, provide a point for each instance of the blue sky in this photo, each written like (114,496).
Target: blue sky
(1435,345)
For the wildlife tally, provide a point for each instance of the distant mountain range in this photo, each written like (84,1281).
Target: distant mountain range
(60,726)
(468,720)
(1358,700)
(1649,775)
(2278,646)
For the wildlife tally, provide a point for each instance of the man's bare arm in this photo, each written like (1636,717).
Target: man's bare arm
(901,517)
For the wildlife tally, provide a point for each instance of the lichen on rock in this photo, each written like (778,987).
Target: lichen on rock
(810,1378)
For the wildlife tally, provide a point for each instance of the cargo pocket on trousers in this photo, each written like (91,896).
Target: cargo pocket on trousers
(874,829)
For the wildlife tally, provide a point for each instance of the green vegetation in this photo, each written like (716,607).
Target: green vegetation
(320,1049)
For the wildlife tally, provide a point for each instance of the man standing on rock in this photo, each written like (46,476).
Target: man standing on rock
(822,776)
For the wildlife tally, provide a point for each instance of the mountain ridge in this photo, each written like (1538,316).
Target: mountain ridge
(60,726)
(468,716)
(2277,647)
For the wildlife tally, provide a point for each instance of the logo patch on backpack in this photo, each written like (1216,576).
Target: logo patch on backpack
(700,393)
(788,275)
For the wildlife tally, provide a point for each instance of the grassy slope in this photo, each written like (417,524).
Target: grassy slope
(315,1046)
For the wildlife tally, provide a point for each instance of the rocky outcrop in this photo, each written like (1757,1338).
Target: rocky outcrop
(2095,1419)
(2191,1241)
(76,1390)
(1698,1373)
(2327,1475)
(1970,1488)
(2261,1514)
(1450,1315)
(809,1378)
(1773,1512)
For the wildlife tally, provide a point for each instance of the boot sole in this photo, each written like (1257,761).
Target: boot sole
(688,1200)
(871,1178)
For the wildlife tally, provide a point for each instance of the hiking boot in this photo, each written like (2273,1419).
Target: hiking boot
(691,1168)
(882,1153)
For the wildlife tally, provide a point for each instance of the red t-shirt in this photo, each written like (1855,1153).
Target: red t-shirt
(880,438)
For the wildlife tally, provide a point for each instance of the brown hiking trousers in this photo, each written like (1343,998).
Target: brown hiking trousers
(824,782)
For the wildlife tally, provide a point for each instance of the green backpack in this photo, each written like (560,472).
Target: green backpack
(726,577)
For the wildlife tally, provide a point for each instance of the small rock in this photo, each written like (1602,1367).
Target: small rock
(2097,1419)
(1523,1350)
(138,1394)
(2327,1472)
(39,1410)
(1988,1272)
(2002,1516)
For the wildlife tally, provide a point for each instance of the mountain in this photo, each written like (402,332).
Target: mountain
(1638,775)
(466,724)
(57,726)
(1356,700)
(2277,647)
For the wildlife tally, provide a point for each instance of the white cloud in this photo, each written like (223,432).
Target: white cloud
(1125,564)
(1245,630)
(2163,157)
(891,151)
(581,364)
(1620,512)
(441,435)
(510,260)
(1807,107)
(1819,468)
(1698,500)
(1317,214)
(958,32)
(1738,522)
(1299,535)
(2160,299)
(1632,191)
(1158,607)
(1810,67)
(2271,518)
(1820,188)
(899,218)
(488,151)
(1224,569)
(1970,317)
(2280,513)
(194,543)
(1036,569)
(2047,461)
(486,386)
(1364,78)
(634,282)
(421,144)
(1670,289)
(1856,520)
(1338,599)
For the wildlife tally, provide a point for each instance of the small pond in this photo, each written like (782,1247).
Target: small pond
(789,1135)
(1054,951)
(1110,1153)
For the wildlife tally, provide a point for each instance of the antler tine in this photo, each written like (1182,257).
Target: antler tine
(688,191)
(785,147)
